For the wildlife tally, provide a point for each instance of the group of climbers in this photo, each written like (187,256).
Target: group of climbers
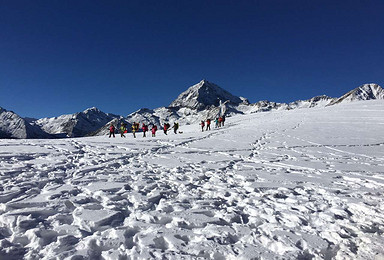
(219,123)
(166,127)
(144,128)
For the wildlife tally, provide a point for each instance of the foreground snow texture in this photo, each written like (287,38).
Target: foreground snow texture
(296,184)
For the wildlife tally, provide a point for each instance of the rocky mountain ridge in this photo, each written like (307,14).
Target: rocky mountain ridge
(364,92)
(200,101)
(15,127)
(76,125)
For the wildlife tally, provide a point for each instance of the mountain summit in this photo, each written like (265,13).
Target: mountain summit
(364,92)
(78,124)
(203,95)
(14,126)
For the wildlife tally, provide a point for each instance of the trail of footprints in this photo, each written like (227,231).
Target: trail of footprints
(97,203)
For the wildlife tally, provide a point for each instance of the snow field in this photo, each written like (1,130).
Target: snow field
(300,184)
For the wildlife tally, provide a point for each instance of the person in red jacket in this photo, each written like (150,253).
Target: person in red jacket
(111,131)
(166,128)
(154,129)
(208,125)
(220,121)
(202,125)
(145,129)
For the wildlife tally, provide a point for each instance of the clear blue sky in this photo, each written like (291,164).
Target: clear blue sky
(60,57)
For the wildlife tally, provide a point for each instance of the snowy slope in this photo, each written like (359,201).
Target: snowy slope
(319,101)
(105,129)
(199,102)
(13,126)
(78,124)
(202,101)
(289,184)
(266,106)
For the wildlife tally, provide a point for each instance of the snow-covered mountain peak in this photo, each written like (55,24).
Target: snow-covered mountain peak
(14,126)
(364,92)
(367,91)
(77,124)
(92,110)
(203,95)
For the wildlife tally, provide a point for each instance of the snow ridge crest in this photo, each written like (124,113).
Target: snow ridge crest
(364,92)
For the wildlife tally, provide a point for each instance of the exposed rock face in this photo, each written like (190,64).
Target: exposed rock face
(14,126)
(203,95)
(78,124)
(364,92)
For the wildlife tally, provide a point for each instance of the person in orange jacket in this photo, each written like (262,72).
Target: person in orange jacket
(135,127)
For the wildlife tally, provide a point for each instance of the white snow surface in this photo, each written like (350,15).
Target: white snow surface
(290,184)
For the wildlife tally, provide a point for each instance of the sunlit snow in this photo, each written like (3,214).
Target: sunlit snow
(305,183)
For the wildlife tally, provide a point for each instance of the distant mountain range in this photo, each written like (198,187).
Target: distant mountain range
(14,126)
(201,101)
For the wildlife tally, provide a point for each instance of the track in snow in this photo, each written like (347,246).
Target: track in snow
(291,184)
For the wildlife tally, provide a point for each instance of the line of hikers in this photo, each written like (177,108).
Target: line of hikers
(219,121)
(135,128)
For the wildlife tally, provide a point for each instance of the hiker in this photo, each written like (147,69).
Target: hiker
(202,125)
(123,130)
(154,129)
(208,124)
(220,121)
(145,129)
(135,127)
(217,122)
(111,131)
(166,128)
(175,127)
(223,120)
